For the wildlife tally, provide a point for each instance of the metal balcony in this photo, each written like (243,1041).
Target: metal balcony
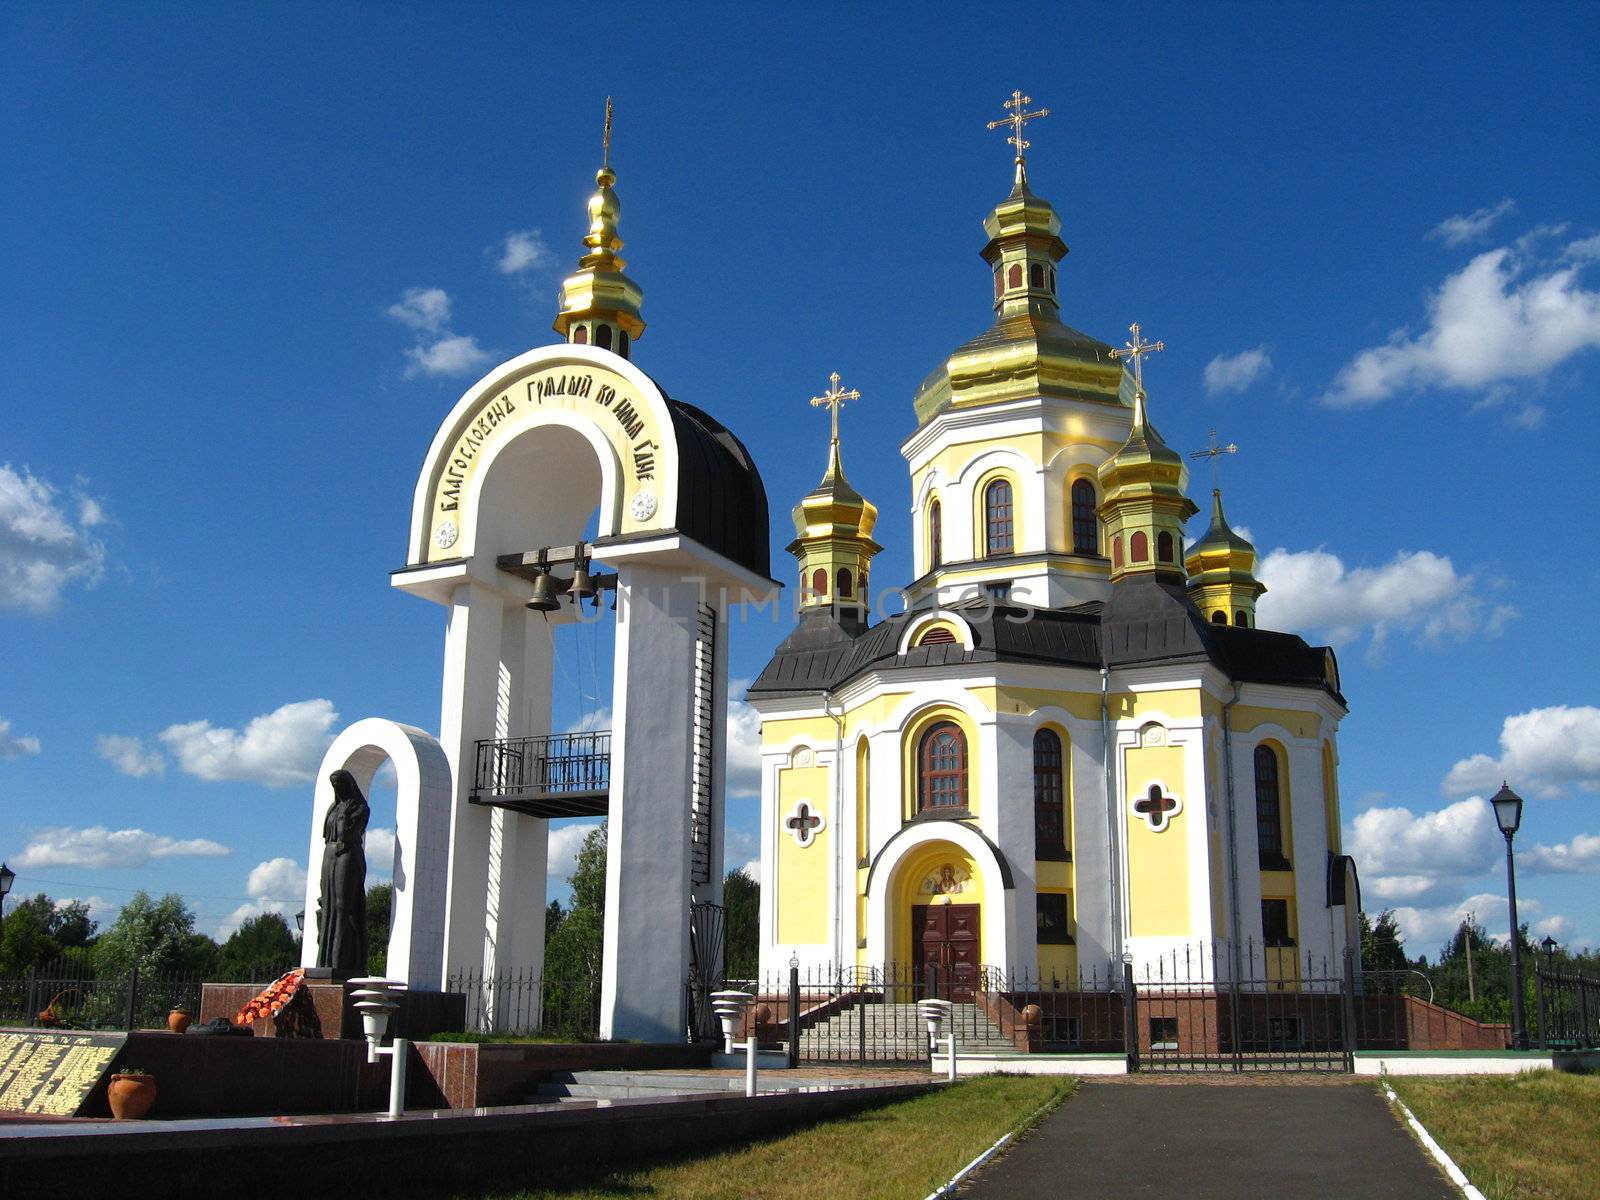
(557,775)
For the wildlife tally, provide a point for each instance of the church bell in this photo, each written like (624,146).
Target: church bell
(544,594)
(582,587)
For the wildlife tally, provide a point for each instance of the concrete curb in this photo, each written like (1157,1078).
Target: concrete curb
(1456,1174)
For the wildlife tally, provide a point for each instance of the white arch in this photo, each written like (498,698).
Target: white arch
(422,841)
(997,456)
(885,872)
(605,454)
(915,626)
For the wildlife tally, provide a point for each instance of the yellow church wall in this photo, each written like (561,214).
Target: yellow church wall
(1158,863)
(1177,703)
(863,805)
(1330,796)
(803,872)
(1216,849)
(1083,705)
(1247,718)
(1053,876)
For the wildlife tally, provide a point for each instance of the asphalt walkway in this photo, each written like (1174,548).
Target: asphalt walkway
(1199,1140)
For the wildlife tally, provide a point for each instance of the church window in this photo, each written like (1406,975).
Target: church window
(998,593)
(581,335)
(1054,927)
(997,527)
(1242,618)
(622,343)
(1116,551)
(1139,547)
(1275,923)
(935,535)
(999,285)
(1049,797)
(602,336)
(939,635)
(1219,617)
(1014,276)
(1164,546)
(942,768)
(819,582)
(1036,276)
(843,583)
(1052,281)
(1269,811)
(1085,524)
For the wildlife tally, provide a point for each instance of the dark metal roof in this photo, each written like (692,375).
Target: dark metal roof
(722,502)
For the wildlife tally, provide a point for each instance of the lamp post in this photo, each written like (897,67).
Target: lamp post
(300,921)
(1508,815)
(7,878)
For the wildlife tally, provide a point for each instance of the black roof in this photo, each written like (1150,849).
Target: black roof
(722,502)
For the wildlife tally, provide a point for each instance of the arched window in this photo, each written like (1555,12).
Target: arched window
(1164,546)
(1052,281)
(997,528)
(1116,551)
(580,335)
(1049,797)
(1036,276)
(1242,618)
(942,767)
(998,285)
(935,535)
(1139,547)
(1219,617)
(602,336)
(1085,524)
(843,583)
(939,635)
(622,343)
(1014,276)
(1269,811)
(819,582)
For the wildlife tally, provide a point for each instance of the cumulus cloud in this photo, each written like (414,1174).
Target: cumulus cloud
(562,854)
(100,848)
(427,310)
(277,879)
(1544,750)
(1406,856)
(1579,856)
(16,745)
(380,854)
(129,755)
(523,250)
(280,749)
(47,541)
(1236,372)
(1417,592)
(438,350)
(1459,230)
(1583,250)
(1495,321)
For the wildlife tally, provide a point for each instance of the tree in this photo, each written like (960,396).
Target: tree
(742,896)
(260,949)
(25,939)
(156,936)
(380,902)
(71,926)
(1381,947)
(573,950)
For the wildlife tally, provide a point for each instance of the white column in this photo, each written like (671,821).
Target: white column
(646,962)
(1013,833)
(1091,866)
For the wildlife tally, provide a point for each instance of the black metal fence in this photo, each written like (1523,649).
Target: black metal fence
(526,1002)
(74,996)
(1568,1007)
(557,764)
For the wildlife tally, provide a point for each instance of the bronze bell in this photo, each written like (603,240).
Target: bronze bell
(582,586)
(544,594)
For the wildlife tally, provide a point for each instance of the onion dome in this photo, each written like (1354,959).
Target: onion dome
(1222,566)
(833,527)
(1143,504)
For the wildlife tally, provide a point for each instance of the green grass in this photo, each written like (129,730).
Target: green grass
(1533,1136)
(902,1150)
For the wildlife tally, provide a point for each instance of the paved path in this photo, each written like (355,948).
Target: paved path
(1197,1140)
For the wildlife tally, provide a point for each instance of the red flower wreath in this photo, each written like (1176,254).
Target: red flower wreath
(274,999)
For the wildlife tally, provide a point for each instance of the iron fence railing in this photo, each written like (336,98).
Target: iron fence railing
(523,1002)
(1568,1007)
(559,764)
(78,997)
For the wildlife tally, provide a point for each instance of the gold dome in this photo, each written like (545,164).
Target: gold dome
(599,304)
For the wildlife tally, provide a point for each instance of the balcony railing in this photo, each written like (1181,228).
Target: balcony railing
(557,775)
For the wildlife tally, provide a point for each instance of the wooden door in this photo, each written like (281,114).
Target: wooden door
(945,950)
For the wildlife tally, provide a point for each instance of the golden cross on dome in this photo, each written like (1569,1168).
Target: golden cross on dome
(1136,349)
(605,156)
(833,400)
(1020,116)
(1214,451)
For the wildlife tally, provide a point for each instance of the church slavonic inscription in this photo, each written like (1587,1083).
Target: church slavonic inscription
(53,1073)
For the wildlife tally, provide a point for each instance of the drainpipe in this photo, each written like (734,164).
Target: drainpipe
(838,831)
(1112,811)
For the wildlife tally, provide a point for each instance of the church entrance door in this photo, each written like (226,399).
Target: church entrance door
(944,950)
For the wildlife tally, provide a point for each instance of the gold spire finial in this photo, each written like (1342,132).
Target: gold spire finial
(605,150)
(1018,120)
(1214,451)
(833,400)
(1135,350)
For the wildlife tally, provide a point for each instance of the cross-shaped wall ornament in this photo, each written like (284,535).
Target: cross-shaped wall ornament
(803,824)
(1020,116)
(833,400)
(1158,807)
(1214,451)
(1136,349)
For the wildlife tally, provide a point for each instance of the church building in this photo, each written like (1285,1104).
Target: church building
(1076,748)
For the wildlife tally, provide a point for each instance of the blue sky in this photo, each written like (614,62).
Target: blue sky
(253,255)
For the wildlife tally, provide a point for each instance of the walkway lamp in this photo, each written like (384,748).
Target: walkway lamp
(7,878)
(1508,815)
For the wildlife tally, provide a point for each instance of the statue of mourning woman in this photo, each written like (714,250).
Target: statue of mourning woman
(342,905)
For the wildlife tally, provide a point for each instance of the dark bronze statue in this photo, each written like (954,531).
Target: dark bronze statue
(342,905)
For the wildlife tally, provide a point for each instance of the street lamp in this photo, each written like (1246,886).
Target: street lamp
(7,878)
(300,921)
(1508,815)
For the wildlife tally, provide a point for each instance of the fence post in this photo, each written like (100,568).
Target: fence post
(1538,1003)
(1130,1016)
(1347,991)
(861,1009)
(30,1012)
(1583,1007)
(133,996)
(794,1014)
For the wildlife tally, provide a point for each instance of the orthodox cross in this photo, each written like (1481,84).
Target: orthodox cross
(1214,451)
(803,824)
(833,400)
(605,157)
(1136,349)
(1156,807)
(1020,116)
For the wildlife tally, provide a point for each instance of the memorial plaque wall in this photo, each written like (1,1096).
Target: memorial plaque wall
(52,1073)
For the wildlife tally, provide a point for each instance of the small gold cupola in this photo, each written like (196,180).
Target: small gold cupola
(833,526)
(1222,572)
(599,304)
(1143,505)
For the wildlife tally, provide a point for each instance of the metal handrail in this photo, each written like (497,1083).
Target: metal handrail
(553,764)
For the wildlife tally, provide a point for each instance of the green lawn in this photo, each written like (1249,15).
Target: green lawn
(1534,1136)
(901,1151)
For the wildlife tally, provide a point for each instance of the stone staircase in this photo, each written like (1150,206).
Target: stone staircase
(895,1031)
(631,1085)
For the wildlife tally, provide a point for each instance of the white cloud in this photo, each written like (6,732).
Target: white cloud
(453,354)
(562,854)
(129,755)
(280,749)
(380,855)
(1489,324)
(1404,856)
(1417,592)
(427,310)
(1556,926)
(523,250)
(277,879)
(1579,856)
(1543,752)
(1583,250)
(43,546)
(99,847)
(1236,372)
(16,745)
(1457,231)
(1424,929)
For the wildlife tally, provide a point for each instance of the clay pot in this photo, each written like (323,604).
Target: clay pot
(131,1096)
(179,1019)
(1031,1016)
(763,1014)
